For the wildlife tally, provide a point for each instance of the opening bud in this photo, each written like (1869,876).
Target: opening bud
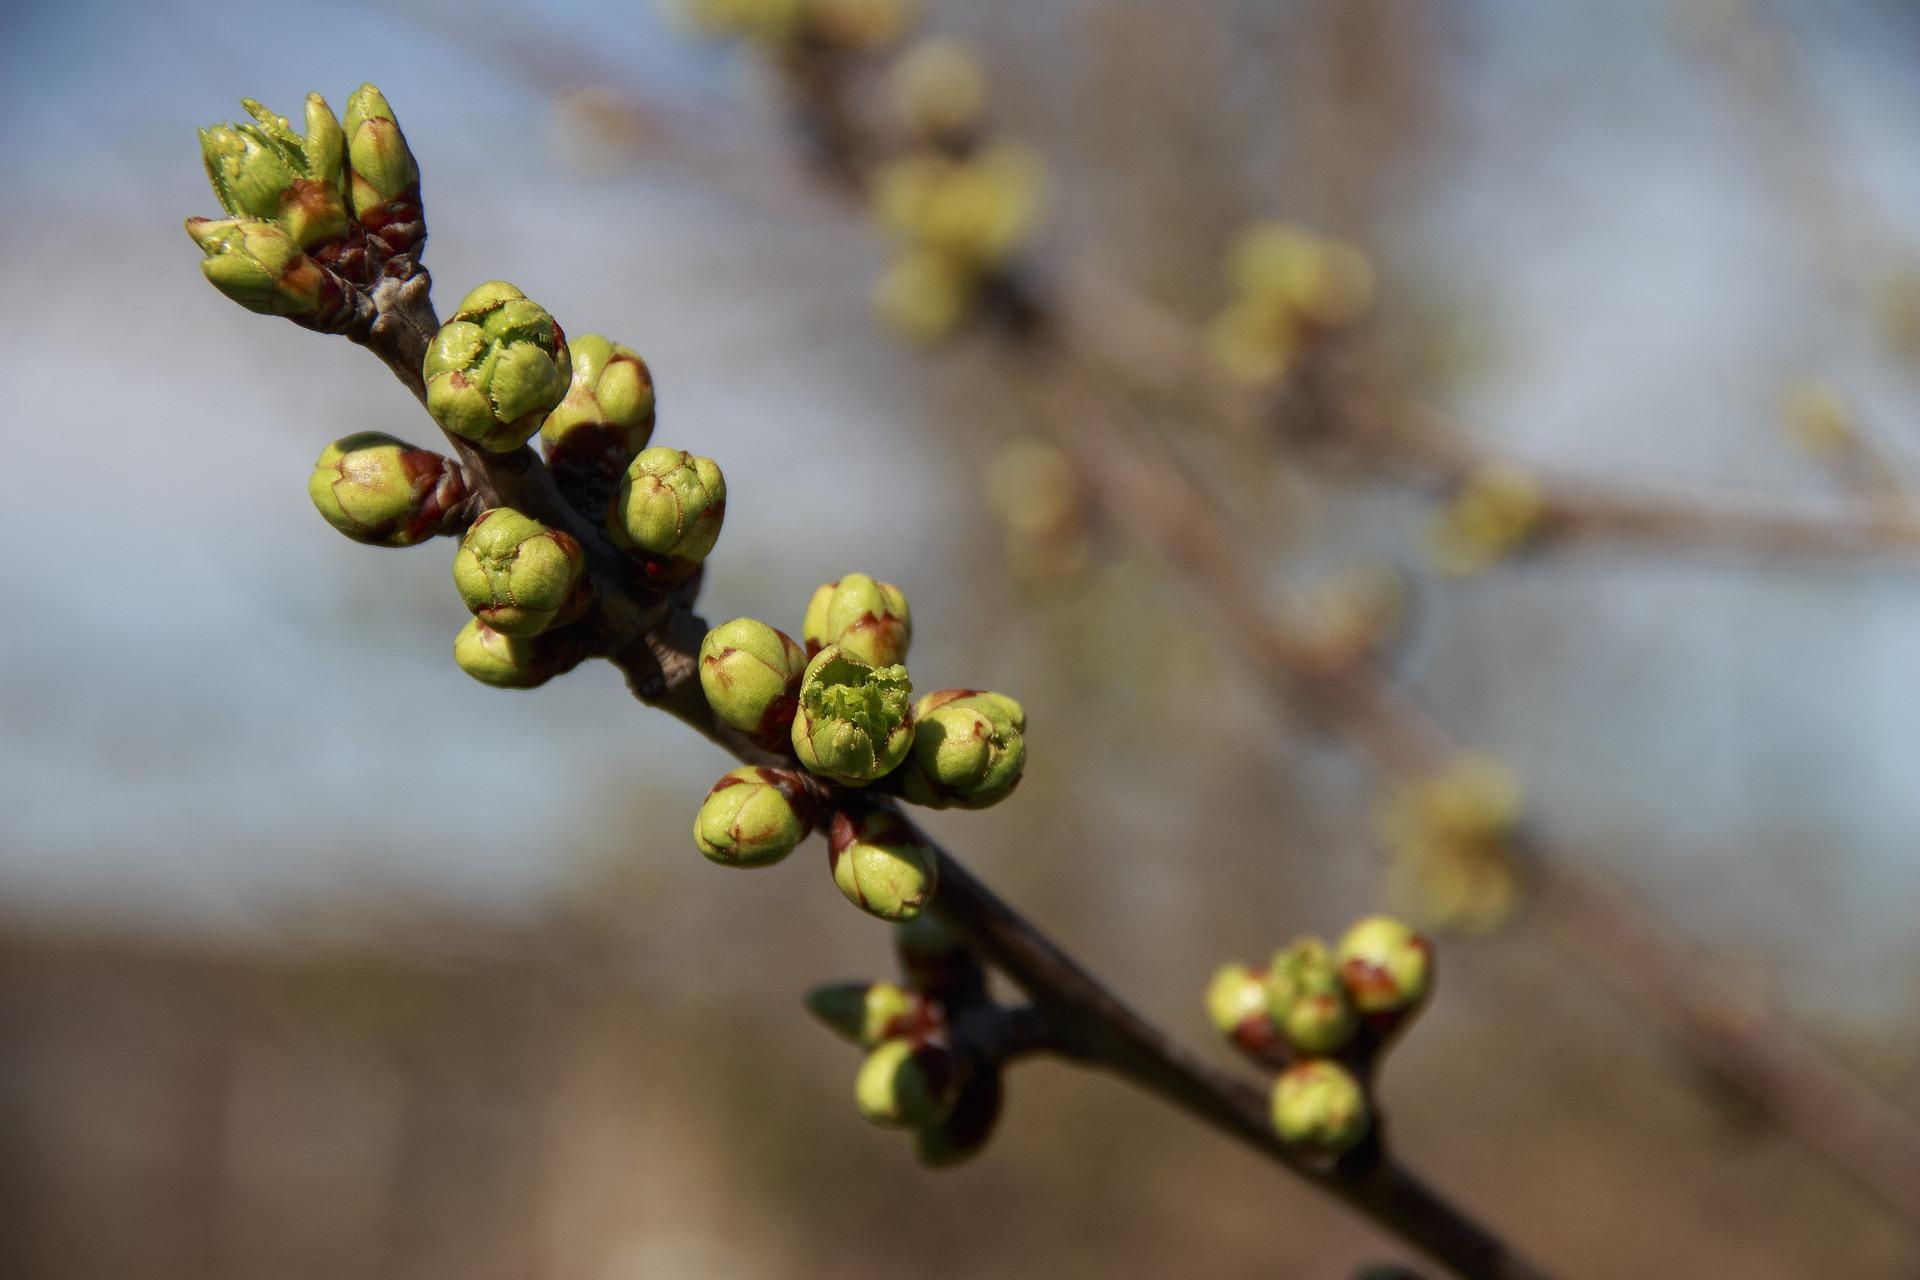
(751,673)
(908,1085)
(497,368)
(753,817)
(865,617)
(1386,966)
(515,574)
(1320,1107)
(261,267)
(854,722)
(968,749)
(880,865)
(382,174)
(670,505)
(265,170)
(867,1012)
(384,492)
(1306,999)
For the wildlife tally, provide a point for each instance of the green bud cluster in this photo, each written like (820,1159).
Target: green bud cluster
(880,863)
(384,492)
(497,368)
(310,216)
(754,817)
(1327,1013)
(516,575)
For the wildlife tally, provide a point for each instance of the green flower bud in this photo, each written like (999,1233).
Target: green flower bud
(1237,1007)
(503,661)
(670,505)
(1320,1107)
(964,1133)
(881,866)
(867,1012)
(259,266)
(265,170)
(854,723)
(1306,999)
(751,673)
(515,574)
(380,165)
(868,619)
(968,749)
(383,491)
(607,415)
(1386,966)
(907,1085)
(497,368)
(753,817)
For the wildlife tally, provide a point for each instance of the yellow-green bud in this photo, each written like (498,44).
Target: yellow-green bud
(503,661)
(265,170)
(753,817)
(868,619)
(514,573)
(607,415)
(939,88)
(855,721)
(670,505)
(261,267)
(751,673)
(378,159)
(1237,1007)
(384,492)
(881,866)
(1386,966)
(497,368)
(907,1085)
(1320,1107)
(968,749)
(867,1012)
(1306,999)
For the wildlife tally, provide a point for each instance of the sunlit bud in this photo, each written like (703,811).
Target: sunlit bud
(1237,1007)
(867,1012)
(384,492)
(880,865)
(497,368)
(753,817)
(514,573)
(751,673)
(867,618)
(261,267)
(670,505)
(607,415)
(855,720)
(1386,967)
(968,749)
(383,179)
(506,662)
(1320,1107)
(1254,341)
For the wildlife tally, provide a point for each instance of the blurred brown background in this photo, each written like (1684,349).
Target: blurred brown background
(291,985)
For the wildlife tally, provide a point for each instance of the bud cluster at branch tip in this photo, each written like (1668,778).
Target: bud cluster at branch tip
(516,575)
(384,492)
(1325,1015)
(497,368)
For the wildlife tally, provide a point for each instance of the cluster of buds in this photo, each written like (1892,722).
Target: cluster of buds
(1324,1016)
(1494,512)
(1290,289)
(311,218)
(1451,839)
(958,206)
(840,705)
(852,25)
(918,1074)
